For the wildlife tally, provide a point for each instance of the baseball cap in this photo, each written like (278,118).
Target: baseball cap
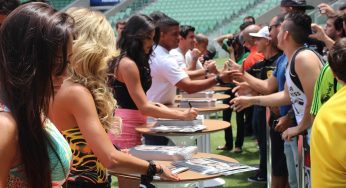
(262,33)
(295,3)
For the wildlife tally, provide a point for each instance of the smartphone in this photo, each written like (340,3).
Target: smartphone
(275,122)
(322,11)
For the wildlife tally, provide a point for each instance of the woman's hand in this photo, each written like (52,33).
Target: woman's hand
(190,114)
(167,174)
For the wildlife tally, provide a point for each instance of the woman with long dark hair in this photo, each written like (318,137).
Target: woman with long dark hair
(83,108)
(35,42)
(132,80)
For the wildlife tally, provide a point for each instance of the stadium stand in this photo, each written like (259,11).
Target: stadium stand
(233,25)
(204,15)
(130,9)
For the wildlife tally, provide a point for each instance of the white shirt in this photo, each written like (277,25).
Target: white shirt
(165,74)
(177,54)
(188,60)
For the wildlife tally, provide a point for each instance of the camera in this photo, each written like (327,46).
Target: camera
(211,52)
(229,42)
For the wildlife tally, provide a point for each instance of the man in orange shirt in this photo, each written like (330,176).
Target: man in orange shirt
(249,43)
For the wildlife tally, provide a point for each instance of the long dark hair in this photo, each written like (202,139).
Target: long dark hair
(33,47)
(137,28)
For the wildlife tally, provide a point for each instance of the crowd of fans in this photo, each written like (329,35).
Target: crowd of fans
(72,94)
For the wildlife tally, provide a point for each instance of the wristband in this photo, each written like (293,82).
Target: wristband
(146,179)
(219,80)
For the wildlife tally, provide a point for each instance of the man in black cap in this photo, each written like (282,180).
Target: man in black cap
(300,6)
(288,6)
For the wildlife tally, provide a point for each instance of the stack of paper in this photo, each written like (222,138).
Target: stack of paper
(176,122)
(213,166)
(197,103)
(201,94)
(163,153)
(174,125)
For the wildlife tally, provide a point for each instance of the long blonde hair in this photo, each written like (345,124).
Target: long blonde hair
(93,46)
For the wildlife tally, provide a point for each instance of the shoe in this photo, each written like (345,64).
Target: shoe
(237,150)
(223,148)
(257,178)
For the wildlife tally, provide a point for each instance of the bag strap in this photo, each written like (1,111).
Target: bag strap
(335,85)
(293,74)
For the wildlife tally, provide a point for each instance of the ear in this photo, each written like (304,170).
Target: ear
(286,35)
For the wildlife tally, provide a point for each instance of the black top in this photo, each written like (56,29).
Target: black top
(264,69)
(121,93)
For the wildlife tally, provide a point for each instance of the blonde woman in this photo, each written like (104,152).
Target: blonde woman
(83,108)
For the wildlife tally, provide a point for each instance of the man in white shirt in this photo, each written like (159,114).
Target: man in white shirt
(186,44)
(165,72)
(201,44)
(167,76)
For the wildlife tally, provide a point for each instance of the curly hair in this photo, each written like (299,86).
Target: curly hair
(93,46)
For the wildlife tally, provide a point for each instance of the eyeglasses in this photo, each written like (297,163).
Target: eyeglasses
(271,26)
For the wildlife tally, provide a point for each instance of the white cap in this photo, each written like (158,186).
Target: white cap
(263,33)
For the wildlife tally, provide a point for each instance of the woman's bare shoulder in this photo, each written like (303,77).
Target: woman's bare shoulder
(8,131)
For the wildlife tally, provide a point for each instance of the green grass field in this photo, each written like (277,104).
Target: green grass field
(249,156)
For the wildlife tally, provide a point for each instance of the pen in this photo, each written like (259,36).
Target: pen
(190,104)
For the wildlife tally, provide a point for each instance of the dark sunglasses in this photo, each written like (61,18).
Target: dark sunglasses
(271,26)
